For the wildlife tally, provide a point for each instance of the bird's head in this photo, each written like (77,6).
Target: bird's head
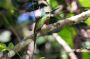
(26,18)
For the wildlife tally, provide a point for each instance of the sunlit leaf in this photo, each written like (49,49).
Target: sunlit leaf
(85,55)
(88,21)
(84,3)
(2,47)
(53,3)
(67,34)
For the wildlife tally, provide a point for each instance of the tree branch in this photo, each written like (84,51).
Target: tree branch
(49,28)
(68,21)
(16,49)
(65,46)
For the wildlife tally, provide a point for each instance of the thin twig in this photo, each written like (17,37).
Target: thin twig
(65,46)
(16,49)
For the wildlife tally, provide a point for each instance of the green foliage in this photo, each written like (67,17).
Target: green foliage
(2,2)
(84,3)
(64,54)
(7,4)
(70,15)
(40,40)
(53,4)
(10,46)
(68,33)
(88,21)
(2,47)
(39,57)
(42,58)
(86,55)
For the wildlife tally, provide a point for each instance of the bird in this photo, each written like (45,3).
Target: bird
(25,18)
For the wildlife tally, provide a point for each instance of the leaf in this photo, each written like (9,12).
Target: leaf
(40,40)
(2,47)
(67,33)
(84,3)
(53,3)
(85,55)
(42,58)
(88,21)
(7,4)
(2,3)
(10,46)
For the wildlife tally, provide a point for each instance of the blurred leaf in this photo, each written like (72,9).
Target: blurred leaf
(2,47)
(2,2)
(55,45)
(88,21)
(84,3)
(50,38)
(64,54)
(84,50)
(85,55)
(42,58)
(39,57)
(62,15)
(67,33)
(53,3)
(40,40)
(10,46)
(69,15)
(7,4)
